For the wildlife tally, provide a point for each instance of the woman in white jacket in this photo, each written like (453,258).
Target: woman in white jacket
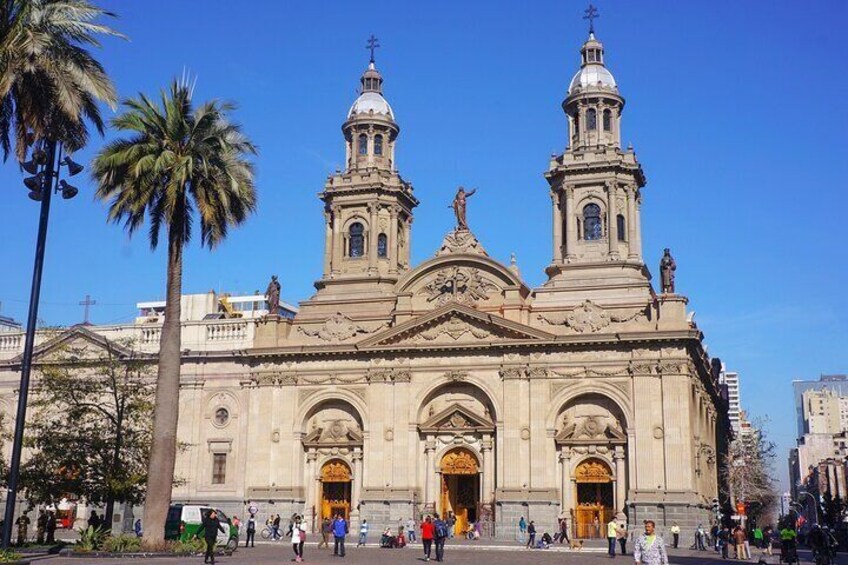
(297,539)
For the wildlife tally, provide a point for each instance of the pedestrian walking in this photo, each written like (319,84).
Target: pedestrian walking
(137,528)
(563,530)
(611,529)
(675,534)
(649,548)
(700,534)
(522,529)
(440,528)
(326,530)
(410,530)
(621,536)
(340,529)
(428,532)
(251,531)
(275,528)
(51,527)
(531,535)
(363,533)
(209,527)
(451,523)
(724,542)
(297,538)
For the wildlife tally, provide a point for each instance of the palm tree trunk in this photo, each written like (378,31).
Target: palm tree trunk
(163,451)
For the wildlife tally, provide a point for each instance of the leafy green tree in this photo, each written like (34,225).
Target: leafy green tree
(49,82)
(90,433)
(178,163)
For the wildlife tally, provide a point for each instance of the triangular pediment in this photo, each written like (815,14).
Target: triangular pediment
(457,417)
(336,433)
(78,342)
(455,324)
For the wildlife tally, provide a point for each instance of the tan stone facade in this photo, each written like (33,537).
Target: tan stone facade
(453,386)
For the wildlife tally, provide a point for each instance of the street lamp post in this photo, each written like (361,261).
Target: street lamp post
(45,164)
(815,504)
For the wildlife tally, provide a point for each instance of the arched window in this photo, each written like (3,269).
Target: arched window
(378,145)
(356,241)
(619,226)
(592,228)
(363,144)
(607,120)
(592,119)
(382,245)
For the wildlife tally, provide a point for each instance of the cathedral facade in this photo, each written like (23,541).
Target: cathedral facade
(452,386)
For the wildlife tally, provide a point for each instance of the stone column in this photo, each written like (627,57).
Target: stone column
(557,219)
(612,221)
(565,480)
(312,481)
(357,479)
(373,231)
(570,224)
(488,470)
(337,239)
(429,472)
(394,251)
(328,242)
(638,220)
(632,251)
(620,480)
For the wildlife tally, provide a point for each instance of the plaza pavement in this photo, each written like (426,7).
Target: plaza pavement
(461,553)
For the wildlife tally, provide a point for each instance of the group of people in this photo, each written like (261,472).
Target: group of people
(45,525)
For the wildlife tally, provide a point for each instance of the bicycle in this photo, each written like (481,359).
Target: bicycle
(267,533)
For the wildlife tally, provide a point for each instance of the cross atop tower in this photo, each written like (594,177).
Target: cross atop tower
(88,302)
(373,43)
(591,14)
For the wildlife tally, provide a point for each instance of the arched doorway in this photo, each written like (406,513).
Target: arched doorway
(335,489)
(460,488)
(595,498)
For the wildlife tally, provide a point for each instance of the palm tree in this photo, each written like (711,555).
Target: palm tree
(49,83)
(179,162)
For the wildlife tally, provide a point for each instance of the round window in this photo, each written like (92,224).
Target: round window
(222,416)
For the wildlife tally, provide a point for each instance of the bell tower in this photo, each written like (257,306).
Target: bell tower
(368,206)
(595,187)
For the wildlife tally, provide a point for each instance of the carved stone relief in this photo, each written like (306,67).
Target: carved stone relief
(461,241)
(454,328)
(338,327)
(461,284)
(588,317)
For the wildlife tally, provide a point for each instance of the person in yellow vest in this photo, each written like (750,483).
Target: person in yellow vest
(612,528)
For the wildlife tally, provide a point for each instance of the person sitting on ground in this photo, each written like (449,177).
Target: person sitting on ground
(546,541)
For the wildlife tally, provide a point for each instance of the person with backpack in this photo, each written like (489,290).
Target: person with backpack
(428,532)
(251,531)
(441,532)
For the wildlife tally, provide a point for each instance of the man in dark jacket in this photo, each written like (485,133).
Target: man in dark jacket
(51,528)
(210,527)
(440,529)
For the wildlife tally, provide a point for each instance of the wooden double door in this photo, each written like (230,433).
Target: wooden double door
(336,489)
(595,499)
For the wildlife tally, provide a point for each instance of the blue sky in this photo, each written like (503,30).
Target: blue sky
(735,111)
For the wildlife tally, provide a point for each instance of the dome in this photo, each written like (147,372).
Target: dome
(369,101)
(592,75)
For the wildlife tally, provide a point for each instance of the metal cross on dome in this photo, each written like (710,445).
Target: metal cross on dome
(373,43)
(591,14)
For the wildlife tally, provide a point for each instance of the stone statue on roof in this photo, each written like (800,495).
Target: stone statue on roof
(459,206)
